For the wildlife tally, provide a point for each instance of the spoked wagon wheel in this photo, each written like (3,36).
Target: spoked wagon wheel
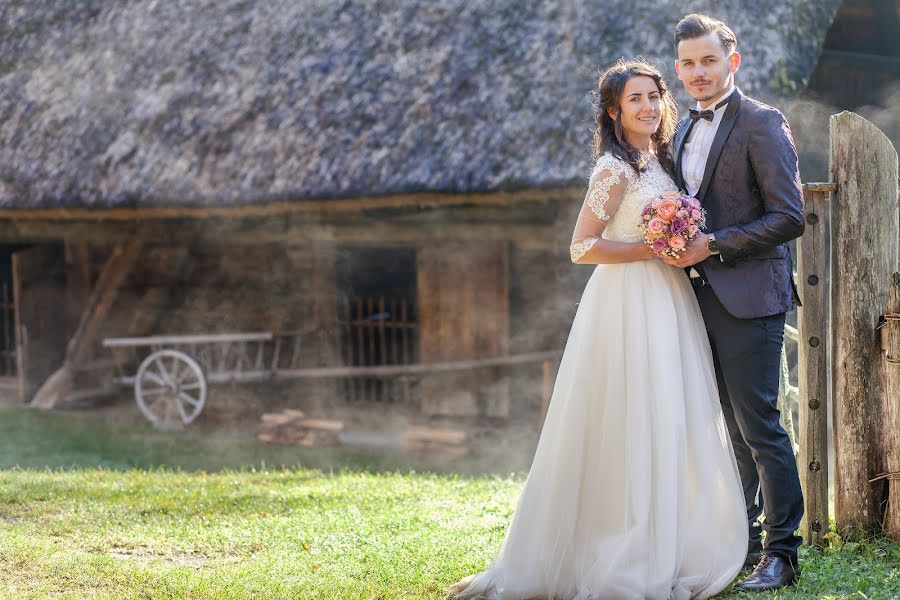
(170,389)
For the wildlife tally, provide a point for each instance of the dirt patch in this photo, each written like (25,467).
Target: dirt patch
(194,560)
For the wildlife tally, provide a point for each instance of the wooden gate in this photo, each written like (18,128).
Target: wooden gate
(840,339)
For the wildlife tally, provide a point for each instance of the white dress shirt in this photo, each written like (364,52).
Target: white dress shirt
(698,143)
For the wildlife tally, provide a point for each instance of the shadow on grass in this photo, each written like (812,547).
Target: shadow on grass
(32,439)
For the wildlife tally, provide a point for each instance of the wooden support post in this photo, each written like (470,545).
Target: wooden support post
(813,371)
(890,345)
(864,242)
(118,265)
(546,388)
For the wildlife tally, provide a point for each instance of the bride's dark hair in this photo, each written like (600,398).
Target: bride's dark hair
(609,136)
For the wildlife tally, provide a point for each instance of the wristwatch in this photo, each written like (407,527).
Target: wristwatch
(711,245)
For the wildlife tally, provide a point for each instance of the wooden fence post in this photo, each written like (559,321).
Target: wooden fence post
(890,344)
(812,344)
(864,241)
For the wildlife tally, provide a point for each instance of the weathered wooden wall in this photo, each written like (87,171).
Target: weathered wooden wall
(864,236)
(280,273)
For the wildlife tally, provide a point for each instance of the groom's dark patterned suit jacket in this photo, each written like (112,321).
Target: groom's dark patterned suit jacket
(752,193)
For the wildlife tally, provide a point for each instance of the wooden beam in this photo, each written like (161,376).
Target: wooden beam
(293,206)
(812,342)
(120,262)
(240,233)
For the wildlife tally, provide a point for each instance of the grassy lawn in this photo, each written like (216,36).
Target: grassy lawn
(109,519)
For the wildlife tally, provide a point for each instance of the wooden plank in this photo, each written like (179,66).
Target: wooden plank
(178,340)
(295,206)
(812,345)
(380,371)
(864,242)
(382,332)
(463,295)
(890,345)
(9,322)
(433,435)
(819,187)
(546,388)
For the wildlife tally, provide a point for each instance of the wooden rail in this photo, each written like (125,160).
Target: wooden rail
(377,371)
(812,341)
(183,340)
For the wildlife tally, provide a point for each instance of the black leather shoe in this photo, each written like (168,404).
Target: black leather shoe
(752,559)
(771,573)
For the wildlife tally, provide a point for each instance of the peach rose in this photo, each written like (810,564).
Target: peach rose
(667,209)
(656,225)
(676,242)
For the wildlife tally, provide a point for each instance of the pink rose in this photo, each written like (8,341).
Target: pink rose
(682,214)
(660,245)
(695,203)
(667,209)
(693,229)
(656,225)
(670,195)
(695,214)
(676,242)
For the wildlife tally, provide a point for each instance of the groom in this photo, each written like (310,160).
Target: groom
(736,156)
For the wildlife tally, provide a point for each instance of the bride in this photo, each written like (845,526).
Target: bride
(634,491)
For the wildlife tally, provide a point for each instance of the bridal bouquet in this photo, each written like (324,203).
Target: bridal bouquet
(670,222)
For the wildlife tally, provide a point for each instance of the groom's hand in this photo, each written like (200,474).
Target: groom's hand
(695,253)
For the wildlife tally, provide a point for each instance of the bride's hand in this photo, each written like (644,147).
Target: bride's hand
(696,252)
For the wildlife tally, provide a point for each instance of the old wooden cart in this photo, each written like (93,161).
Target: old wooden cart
(171,374)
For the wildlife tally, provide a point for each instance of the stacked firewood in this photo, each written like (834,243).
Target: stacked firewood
(293,428)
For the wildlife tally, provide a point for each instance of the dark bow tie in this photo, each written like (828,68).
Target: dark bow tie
(701,114)
(707,114)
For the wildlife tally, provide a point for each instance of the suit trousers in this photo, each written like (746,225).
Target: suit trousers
(747,358)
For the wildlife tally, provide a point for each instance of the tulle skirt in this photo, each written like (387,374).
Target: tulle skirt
(634,491)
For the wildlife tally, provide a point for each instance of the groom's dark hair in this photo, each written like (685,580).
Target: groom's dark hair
(697,25)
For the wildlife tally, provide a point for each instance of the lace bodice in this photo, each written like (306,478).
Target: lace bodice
(616,220)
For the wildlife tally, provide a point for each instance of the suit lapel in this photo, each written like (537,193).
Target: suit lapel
(725,127)
(680,136)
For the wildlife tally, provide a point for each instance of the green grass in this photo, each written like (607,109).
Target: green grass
(93,526)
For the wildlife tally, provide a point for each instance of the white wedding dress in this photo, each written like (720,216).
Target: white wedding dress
(634,491)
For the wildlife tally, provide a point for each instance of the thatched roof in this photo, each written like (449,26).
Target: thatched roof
(177,102)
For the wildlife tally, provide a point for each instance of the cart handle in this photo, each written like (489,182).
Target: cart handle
(174,340)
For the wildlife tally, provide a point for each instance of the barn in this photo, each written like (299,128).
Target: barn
(386,187)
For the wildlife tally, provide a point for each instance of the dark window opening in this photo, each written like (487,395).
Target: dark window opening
(376,313)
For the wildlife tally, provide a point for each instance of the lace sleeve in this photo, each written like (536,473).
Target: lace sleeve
(605,191)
